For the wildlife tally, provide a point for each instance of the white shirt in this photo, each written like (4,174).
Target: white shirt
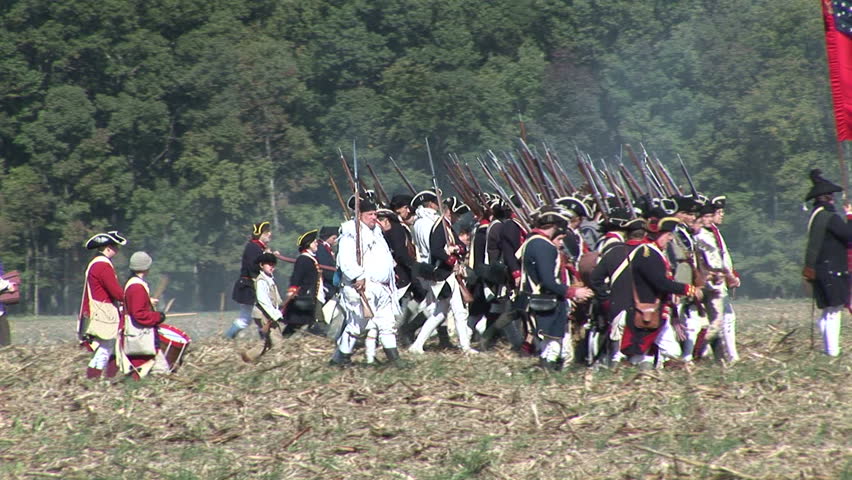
(376,259)
(426,219)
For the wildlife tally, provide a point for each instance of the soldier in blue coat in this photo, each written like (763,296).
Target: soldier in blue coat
(826,264)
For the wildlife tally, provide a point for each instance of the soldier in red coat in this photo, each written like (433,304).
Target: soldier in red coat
(141,317)
(97,325)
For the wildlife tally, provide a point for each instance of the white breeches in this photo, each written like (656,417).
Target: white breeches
(439,310)
(829,328)
(382,326)
(106,349)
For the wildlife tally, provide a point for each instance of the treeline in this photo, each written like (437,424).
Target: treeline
(181,122)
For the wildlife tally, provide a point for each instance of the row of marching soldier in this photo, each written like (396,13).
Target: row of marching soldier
(647,281)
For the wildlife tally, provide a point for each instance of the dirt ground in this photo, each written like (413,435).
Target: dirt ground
(780,413)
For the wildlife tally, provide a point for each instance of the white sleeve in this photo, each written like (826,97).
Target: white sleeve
(346,261)
(4,284)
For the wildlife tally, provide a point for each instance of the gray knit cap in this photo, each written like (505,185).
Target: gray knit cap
(140,262)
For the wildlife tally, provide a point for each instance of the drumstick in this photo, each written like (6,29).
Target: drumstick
(164,282)
(169,306)
(187,314)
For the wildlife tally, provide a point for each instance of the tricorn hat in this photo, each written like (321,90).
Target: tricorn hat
(423,197)
(385,213)
(719,202)
(553,214)
(400,200)
(665,224)
(576,205)
(99,240)
(326,232)
(306,238)
(821,186)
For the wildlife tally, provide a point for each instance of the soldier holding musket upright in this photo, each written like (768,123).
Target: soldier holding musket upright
(826,265)
(368,292)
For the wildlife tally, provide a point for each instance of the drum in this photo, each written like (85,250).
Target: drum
(11,298)
(173,343)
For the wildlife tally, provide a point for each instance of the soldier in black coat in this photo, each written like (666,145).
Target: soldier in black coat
(612,282)
(653,284)
(306,286)
(325,256)
(544,280)
(243,292)
(826,260)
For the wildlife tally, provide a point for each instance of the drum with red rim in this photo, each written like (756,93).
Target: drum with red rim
(173,343)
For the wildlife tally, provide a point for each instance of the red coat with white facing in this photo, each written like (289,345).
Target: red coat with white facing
(137,304)
(102,282)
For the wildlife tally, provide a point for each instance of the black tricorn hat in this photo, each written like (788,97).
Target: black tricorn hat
(665,224)
(576,205)
(719,202)
(385,213)
(821,186)
(422,197)
(617,219)
(326,232)
(306,238)
(400,200)
(99,240)
(553,214)
(686,203)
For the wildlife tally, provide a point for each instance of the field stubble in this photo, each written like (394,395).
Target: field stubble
(780,413)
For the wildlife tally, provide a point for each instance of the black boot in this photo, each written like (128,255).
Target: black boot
(444,342)
(340,359)
(548,366)
(512,333)
(393,358)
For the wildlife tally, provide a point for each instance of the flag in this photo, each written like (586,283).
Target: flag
(837,17)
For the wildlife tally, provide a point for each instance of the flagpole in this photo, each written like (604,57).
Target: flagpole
(844,173)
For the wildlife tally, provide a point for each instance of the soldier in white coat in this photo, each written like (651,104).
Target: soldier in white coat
(368,290)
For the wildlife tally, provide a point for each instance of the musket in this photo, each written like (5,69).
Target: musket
(525,167)
(640,169)
(668,176)
(554,173)
(599,182)
(613,184)
(404,178)
(448,234)
(635,190)
(365,305)
(522,186)
(513,185)
(688,178)
(584,170)
(380,190)
(463,187)
(546,187)
(348,173)
(571,187)
(293,260)
(343,206)
(657,173)
(499,188)
(628,195)
(655,178)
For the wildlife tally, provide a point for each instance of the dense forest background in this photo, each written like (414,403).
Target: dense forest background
(181,122)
